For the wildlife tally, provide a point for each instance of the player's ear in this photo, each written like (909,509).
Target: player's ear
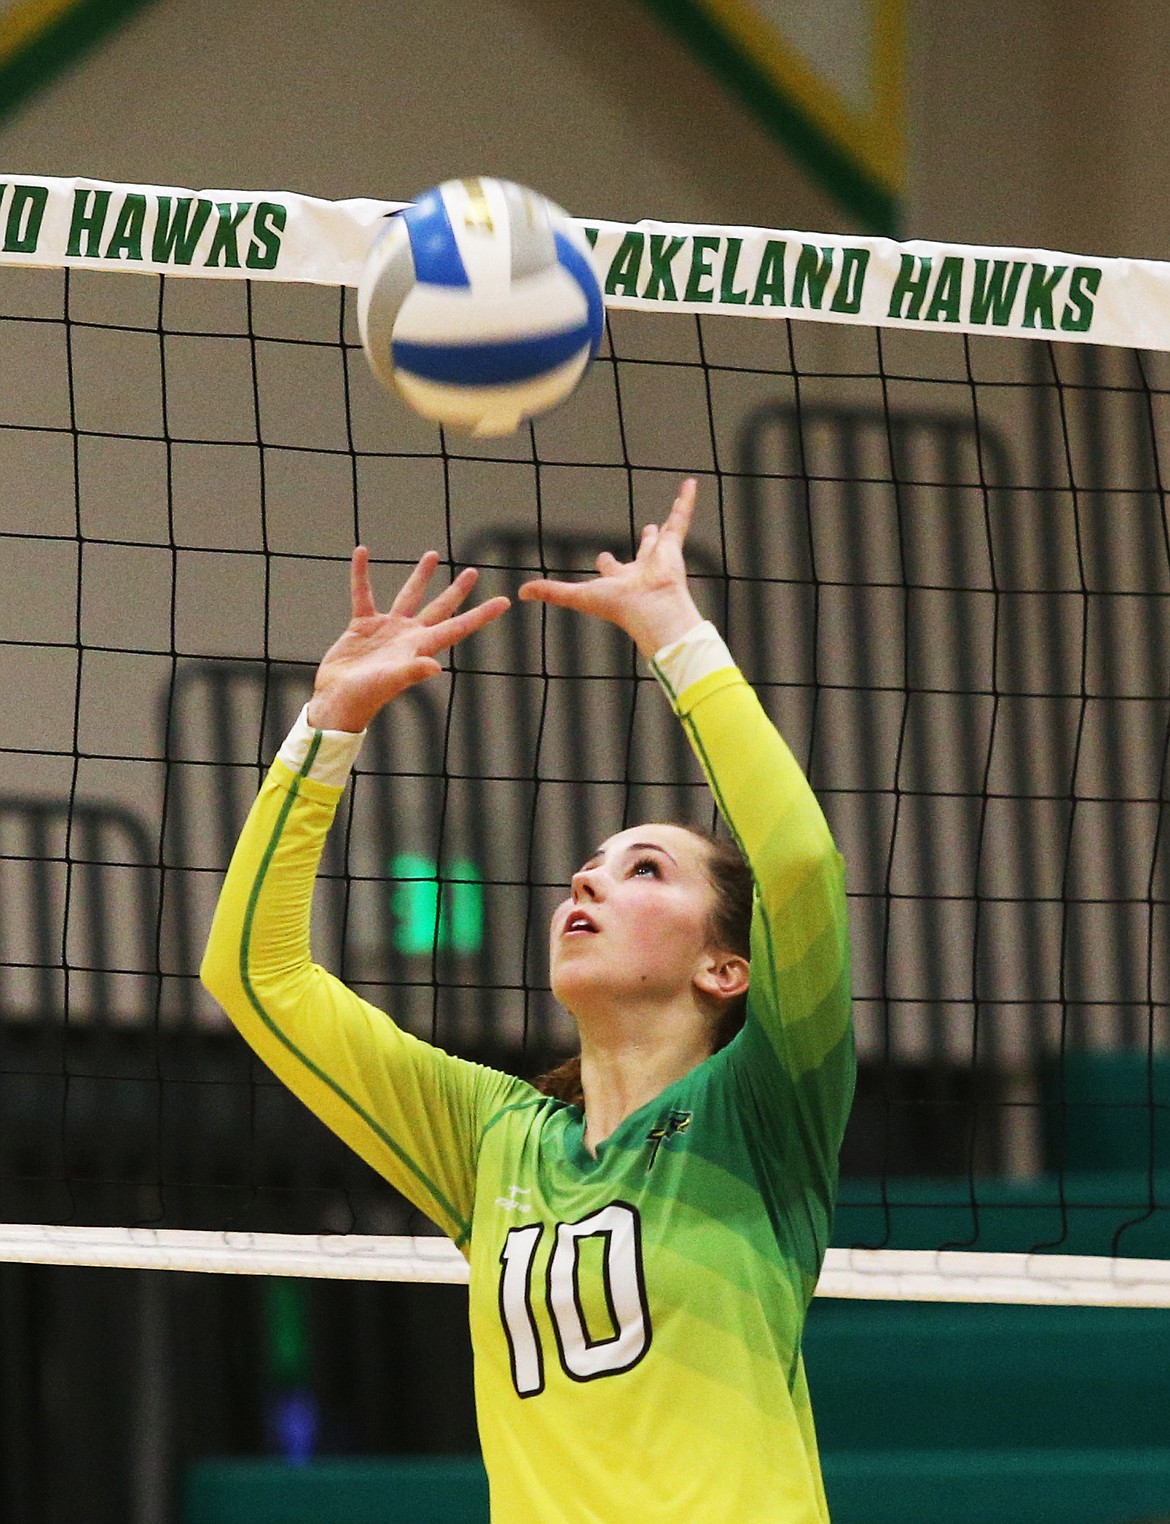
(723,975)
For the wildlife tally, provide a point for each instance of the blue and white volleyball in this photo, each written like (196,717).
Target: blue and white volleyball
(480,305)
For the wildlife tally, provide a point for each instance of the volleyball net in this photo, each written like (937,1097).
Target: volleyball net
(933,526)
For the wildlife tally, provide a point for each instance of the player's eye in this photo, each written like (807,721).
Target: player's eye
(646,865)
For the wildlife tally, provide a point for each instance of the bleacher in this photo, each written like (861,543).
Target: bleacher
(926,1413)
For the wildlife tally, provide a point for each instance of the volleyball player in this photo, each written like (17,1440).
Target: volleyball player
(641,1262)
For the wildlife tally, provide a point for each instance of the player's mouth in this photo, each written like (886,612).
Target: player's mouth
(578,923)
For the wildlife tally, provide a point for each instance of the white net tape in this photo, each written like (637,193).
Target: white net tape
(906,1275)
(649,266)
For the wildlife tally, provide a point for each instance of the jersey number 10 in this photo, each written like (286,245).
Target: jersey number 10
(583,1357)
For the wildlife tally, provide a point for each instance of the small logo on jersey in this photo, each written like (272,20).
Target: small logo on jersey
(511,1202)
(676,1122)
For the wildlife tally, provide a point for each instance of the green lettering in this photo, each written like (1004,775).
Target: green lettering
(622,279)
(947,295)
(126,239)
(813,268)
(224,238)
(28,203)
(847,297)
(267,226)
(1042,284)
(660,282)
(87,223)
(176,233)
(994,291)
(1082,288)
(910,286)
(769,288)
(728,291)
(700,281)
(591,236)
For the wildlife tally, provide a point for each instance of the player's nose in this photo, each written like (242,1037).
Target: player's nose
(586,885)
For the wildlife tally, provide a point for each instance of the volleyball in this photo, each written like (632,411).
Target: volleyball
(480,306)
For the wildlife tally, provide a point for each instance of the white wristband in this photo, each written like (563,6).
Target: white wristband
(335,755)
(694,655)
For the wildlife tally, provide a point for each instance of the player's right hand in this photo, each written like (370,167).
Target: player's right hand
(381,655)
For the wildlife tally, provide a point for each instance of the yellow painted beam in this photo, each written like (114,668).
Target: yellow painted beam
(25,22)
(875,138)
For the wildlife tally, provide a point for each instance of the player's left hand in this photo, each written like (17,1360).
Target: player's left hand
(647,597)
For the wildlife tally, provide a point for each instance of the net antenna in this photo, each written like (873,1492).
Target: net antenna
(936,536)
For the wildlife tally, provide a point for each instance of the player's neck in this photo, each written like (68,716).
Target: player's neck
(620,1073)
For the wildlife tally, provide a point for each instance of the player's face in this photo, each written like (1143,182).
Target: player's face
(637,920)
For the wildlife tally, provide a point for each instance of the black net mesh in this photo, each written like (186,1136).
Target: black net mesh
(944,562)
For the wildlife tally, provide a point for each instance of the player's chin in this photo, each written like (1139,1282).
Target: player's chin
(574,977)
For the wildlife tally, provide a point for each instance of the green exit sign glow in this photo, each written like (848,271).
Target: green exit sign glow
(436,912)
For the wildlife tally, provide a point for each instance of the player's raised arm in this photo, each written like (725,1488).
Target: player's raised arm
(411,1111)
(797,1051)
(650,600)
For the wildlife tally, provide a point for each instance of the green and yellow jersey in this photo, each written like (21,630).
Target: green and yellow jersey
(636,1315)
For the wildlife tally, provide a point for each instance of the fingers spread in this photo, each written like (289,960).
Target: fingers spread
(566,595)
(484,613)
(678,521)
(416,671)
(361,594)
(608,565)
(411,596)
(445,604)
(451,631)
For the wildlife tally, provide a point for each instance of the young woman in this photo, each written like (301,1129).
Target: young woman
(641,1263)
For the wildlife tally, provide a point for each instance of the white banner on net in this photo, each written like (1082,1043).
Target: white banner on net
(911,1275)
(649,266)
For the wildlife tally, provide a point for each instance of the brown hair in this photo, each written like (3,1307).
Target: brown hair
(729,929)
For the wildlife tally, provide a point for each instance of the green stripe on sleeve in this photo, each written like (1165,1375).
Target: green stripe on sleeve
(464,1227)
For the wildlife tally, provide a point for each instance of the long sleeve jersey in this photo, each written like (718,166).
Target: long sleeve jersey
(636,1313)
